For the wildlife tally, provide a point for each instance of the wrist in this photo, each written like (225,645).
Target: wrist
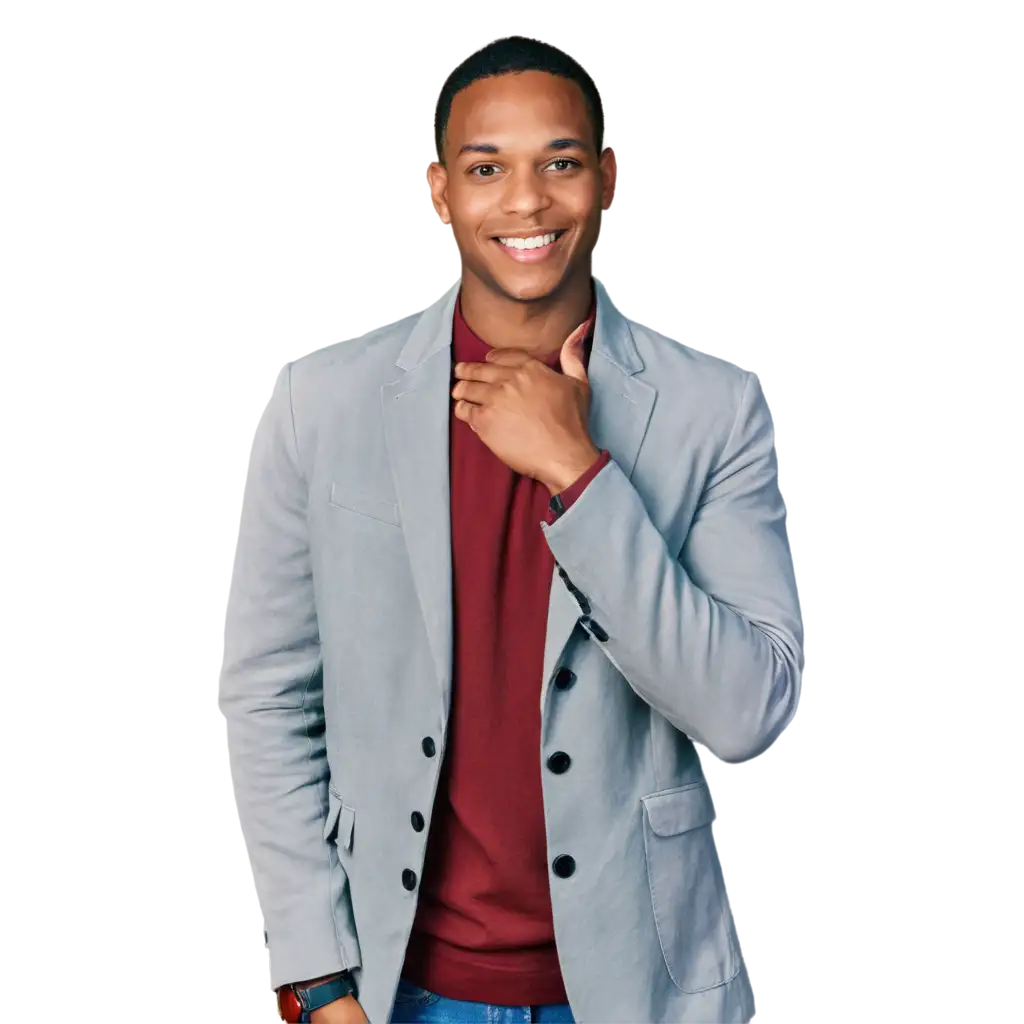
(569,469)
(298,1000)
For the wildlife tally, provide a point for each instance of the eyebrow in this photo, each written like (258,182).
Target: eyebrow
(486,147)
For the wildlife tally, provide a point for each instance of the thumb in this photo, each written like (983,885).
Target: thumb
(571,358)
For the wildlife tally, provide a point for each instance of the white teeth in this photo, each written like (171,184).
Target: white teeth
(529,243)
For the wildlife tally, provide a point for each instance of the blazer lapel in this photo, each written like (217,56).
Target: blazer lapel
(415,410)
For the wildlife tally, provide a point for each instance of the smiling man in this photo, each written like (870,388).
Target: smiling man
(503,566)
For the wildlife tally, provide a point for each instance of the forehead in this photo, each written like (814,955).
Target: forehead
(519,109)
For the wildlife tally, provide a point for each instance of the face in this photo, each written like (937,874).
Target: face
(521,164)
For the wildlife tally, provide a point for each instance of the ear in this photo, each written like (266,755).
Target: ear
(435,193)
(609,173)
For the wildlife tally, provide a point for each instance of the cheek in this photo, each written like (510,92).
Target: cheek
(582,205)
(468,212)
(593,201)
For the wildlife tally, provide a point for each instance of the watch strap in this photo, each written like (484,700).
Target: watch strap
(323,992)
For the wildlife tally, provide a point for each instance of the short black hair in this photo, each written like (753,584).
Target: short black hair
(508,56)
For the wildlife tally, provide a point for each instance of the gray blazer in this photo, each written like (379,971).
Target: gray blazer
(336,679)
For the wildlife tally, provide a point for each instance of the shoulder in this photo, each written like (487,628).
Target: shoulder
(688,373)
(318,377)
(333,384)
(382,343)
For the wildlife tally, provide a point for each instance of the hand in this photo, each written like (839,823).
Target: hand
(532,418)
(345,1010)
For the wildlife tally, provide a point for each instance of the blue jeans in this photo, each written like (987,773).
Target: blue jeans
(416,1005)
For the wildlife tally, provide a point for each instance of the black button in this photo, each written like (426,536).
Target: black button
(564,678)
(417,821)
(563,865)
(581,598)
(409,879)
(559,762)
(428,746)
(595,628)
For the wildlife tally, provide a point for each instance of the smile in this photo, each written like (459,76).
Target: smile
(532,249)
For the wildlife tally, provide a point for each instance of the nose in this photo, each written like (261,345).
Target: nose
(524,194)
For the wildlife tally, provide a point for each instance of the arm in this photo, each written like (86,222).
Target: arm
(710,637)
(271,693)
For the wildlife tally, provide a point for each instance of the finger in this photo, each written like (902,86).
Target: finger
(508,357)
(480,371)
(571,356)
(467,412)
(578,334)
(477,392)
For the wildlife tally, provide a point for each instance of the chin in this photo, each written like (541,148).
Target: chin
(530,292)
(530,285)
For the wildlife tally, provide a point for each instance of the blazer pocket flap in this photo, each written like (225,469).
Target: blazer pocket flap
(679,810)
(340,818)
(346,497)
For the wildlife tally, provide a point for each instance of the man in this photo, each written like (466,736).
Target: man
(501,565)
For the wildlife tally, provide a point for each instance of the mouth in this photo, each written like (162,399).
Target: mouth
(533,249)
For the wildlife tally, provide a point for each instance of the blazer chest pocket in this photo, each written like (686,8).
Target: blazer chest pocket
(691,909)
(344,496)
(340,821)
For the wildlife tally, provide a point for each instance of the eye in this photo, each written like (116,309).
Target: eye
(480,167)
(567,160)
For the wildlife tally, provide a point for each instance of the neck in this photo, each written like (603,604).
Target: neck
(538,327)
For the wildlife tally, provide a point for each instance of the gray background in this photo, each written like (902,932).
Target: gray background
(186,198)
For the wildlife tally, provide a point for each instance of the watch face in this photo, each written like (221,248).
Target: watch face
(288,1006)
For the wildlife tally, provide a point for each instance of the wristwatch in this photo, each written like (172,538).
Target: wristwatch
(296,1002)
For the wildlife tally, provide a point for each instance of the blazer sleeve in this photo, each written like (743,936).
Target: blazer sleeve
(271,694)
(710,636)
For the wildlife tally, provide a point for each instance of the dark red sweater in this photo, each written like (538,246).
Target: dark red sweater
(483,929)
